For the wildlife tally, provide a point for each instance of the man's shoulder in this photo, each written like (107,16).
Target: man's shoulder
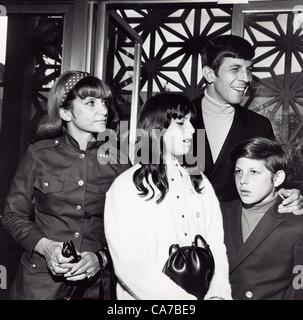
(250,114)
(291,218)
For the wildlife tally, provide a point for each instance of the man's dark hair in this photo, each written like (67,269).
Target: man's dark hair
(226,46)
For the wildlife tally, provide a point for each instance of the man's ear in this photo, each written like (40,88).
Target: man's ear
(279,178)
(65,114)
(208,74)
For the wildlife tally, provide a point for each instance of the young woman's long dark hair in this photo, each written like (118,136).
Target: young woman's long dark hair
(61,97)
(157,113)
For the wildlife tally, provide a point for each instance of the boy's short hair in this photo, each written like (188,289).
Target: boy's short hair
(262,149)
(226,46)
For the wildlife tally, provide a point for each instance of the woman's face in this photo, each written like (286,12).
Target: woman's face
(178,137)
(88,115)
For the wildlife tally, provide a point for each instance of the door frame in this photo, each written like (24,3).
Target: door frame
(239,11)
(104,14)
(64,8)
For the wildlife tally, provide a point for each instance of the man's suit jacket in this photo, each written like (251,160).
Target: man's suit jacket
(246,124)
(262,267)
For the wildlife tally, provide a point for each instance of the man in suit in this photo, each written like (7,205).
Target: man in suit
(227,64)
(264,247)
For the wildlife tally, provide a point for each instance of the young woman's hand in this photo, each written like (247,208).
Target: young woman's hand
(51,251)
(87,267)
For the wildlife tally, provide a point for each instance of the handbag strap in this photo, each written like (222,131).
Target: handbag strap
(198,237)
(173,248)
(112,278)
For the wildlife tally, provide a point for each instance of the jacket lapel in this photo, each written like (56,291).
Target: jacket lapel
(268,223)
(232,139)
(209,163)
(233,234)
(236,134)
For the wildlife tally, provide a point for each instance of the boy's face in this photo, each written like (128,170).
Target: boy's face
(231,81)
(254,181)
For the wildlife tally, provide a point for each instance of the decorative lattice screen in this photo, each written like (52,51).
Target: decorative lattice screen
(173,39)
(278,77)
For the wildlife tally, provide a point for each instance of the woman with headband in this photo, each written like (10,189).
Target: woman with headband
(58,194)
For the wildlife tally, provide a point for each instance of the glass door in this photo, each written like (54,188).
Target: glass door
(118,61)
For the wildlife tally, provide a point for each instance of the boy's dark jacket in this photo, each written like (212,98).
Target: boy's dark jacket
(262,267)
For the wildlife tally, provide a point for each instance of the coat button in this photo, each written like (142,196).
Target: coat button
(45,184)
(249,294)
(80,183)
(56,141)
(81,155)
(197,214)
(76,234)
(78,207)
(34,265)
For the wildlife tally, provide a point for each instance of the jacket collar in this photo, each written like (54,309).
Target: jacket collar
(69,140)
(268,223)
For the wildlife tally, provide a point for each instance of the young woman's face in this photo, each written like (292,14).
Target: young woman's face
(88,115)
(178,137)
(231,81)
(254,181)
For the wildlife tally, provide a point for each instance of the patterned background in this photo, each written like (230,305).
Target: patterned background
(173,39)
(172,42)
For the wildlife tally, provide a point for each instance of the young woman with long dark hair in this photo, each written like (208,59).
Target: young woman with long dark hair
(157,203)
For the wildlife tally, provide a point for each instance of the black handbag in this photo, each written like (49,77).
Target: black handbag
(191,267)
(76,290)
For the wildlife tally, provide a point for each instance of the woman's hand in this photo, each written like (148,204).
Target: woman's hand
(87,267)
(51,251)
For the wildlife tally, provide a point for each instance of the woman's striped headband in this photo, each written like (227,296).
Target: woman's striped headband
(71,82)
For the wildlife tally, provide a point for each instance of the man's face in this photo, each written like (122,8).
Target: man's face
(232,80)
